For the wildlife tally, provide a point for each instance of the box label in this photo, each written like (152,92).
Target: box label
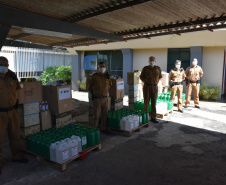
(64,93)
(74,151)
(120,85)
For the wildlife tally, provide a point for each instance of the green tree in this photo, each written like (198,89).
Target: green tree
(54,73)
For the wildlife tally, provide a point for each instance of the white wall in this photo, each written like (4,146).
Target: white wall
(141,57)
(212,64)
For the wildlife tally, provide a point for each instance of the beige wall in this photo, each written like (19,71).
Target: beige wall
(141,57)
(213,58)
(212,62)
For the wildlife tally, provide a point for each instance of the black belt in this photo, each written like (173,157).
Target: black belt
(100,97)
(198,81)
(177,83)
(152,84)
(7,109)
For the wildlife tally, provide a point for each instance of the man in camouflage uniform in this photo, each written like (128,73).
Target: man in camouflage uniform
(193,75)
(151,75)
(176,77)
(9,116)
(99,85)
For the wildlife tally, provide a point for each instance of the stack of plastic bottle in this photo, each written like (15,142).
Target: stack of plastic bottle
(163,101)
(126,119)
(64,143)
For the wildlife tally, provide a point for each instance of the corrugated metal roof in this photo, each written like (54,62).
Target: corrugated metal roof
(129,21)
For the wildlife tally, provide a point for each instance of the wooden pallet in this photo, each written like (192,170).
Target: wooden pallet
(166,114)
(63,167)
(170,111)
(162,115)
(125,132)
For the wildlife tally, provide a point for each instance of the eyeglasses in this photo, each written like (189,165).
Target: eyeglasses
(6,65)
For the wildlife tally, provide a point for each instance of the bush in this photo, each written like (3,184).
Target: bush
(54,73)
(82,85)
(209,92)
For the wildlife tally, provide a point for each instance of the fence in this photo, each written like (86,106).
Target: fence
(30,63)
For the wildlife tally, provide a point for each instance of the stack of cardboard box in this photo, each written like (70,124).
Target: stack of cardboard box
(164,82)
(29,97)
(59,100)
(135,91)
(117,92)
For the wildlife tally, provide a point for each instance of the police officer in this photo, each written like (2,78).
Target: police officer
(176,77)
(99,86)
(9,116)
(193,75)
(151,75)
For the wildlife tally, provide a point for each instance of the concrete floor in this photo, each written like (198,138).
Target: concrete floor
(183,149)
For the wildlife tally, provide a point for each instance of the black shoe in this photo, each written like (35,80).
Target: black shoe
(197,107)
(185,106)
(180,111)
(21,160)
(154,121)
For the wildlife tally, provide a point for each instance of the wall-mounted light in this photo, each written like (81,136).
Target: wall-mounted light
(46,33)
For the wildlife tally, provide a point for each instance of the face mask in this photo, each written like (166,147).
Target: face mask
(151,63)
(3,69)
(177,66)
(102,69)
(194,63)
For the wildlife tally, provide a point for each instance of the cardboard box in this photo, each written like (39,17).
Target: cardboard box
(133,87)
(116,105)
(133,78)
(28,120)
(133,99)
(165,79)
(29,130)
(133,93)
(59,98)
(117,89)
(30,92)
(140,91)
(30,108)
(45,120)
(60,120)
(159,87)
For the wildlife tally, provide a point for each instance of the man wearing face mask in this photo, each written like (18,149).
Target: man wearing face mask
(9,116)
(193,75)
(99,86)
(151,75)
(176,77)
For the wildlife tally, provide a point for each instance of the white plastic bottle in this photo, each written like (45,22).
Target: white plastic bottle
(136,120)
(127,124)
(62,153)
(69,143)
(52,150)
(73,150)
(130,123)
(78,139)
(122,124)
